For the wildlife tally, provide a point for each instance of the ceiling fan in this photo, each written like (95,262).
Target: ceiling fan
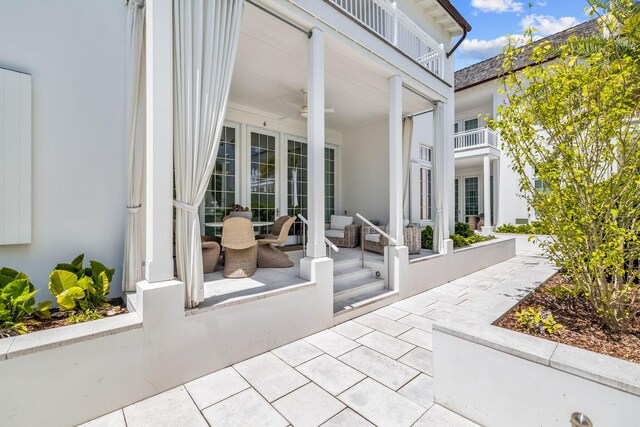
(303,110)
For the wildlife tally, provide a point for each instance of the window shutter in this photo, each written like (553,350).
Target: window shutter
(15,157)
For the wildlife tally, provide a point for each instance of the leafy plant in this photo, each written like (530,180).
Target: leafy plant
(83,316)
(478,238)
(426,237)
(534,320)
(463,229)
(459,241)
(17,300)
(73,285)
(562,292)
(572,125)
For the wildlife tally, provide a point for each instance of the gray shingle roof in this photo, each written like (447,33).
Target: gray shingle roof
(491,68)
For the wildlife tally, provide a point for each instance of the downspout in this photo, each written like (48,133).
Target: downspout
(464,36)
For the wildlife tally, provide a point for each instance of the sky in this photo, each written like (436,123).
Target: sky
(492,20)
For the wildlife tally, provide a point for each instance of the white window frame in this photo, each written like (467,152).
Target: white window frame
(425,163)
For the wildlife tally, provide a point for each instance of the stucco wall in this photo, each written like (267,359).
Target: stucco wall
(75,52)
(365,171)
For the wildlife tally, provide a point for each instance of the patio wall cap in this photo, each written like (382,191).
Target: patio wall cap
(54,338)
(504,340)
(601,368)
(496,241)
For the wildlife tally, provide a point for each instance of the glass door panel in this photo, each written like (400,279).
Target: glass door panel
(263,178)
(221,194)
(471,196)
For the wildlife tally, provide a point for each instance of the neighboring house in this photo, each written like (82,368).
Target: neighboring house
(337,148)
(484,180)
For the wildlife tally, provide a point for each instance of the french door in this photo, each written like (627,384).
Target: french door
(471,195)
(263,175)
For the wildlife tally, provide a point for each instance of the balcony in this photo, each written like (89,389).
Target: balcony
(476,138)
(384,19)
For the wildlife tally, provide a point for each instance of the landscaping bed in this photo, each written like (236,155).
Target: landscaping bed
(61,318)
(581,326)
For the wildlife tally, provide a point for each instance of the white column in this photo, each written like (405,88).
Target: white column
(496,191)
(486,173)
(315,140)
(159,151)
(395,160)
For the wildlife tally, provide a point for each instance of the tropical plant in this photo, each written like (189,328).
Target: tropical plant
(533,319)
(17,300)
(426,237)
(459,241)
(73,285)
(573,124)
(463,229)
(83,316)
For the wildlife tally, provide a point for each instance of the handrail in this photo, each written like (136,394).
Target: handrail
(327,241)
(375,227)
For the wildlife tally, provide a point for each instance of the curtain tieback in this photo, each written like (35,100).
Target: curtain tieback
(185,206)
(134,209)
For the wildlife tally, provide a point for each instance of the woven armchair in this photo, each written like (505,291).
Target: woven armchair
(372,241)
(241,249)
(351,237)
(270,256)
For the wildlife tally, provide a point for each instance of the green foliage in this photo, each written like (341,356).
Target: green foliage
(17,300)
(83,316)
(562,292)
(534,320)
(459,241)
(427,237)
(572,124)
(533,228)
(74,285)
(463,229)
(479,238)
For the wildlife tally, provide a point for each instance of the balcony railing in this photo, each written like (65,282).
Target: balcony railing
(475,138)
(386,20)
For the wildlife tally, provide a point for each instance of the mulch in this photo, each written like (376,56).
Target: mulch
(59,318)
(582,327)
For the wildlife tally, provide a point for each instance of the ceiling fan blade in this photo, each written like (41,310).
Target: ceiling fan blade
(293,104)
(288,117)
(329,110)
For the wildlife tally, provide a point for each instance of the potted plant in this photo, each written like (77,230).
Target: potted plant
(239,210)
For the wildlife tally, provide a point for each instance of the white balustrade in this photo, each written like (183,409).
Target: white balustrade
(386,20)
(475,138)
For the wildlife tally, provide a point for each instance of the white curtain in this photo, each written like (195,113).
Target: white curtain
(407,137)
(135,105)
(205,43)
(438,142)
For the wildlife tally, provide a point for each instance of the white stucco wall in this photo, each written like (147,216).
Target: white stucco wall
(75,52)
(365,171)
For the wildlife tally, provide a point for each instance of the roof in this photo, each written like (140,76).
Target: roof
(455,14)
(490,69)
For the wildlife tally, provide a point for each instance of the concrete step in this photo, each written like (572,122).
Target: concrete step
(341,267)
(361,304)
(344,289)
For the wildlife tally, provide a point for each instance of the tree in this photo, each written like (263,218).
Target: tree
(573,124)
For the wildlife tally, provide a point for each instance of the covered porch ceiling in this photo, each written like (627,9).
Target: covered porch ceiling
(271,70)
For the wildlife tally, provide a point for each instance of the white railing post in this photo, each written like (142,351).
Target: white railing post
(395,25)
(486,136)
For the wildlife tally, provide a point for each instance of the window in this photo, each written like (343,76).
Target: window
(471,195)
(221,194)
(425,153)
(297,189)
(457,198)
(456,127)
(263,177)
(425,194)
(471,124)
(329,183)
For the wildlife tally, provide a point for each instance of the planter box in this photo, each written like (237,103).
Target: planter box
(498,377)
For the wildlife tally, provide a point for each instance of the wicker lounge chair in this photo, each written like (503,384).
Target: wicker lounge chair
(241,249)
(372,241)
(271,257)
(342,232)
(275,228)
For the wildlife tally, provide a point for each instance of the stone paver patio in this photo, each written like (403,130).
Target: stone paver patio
(373,370)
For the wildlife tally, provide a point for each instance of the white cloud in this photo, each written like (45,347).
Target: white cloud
(482,49)
(498,6)
(547,25)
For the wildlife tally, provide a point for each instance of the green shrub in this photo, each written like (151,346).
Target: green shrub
(463,229)
(17,300)
(562,292)
(459,241)
(427,237)
(83,316)
(478,238)
(76,286)
(534,320)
